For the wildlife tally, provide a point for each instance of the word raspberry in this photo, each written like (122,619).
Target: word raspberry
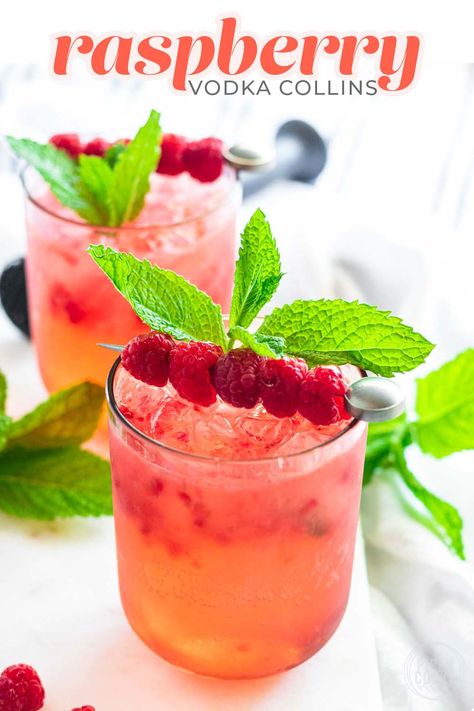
(281,381)
(190,371)
(321,397)
(146,357)
(20,689)
(237,377)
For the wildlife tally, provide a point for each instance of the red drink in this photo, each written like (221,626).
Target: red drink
(186,226)
(235,530)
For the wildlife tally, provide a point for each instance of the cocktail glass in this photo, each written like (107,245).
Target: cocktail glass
(235,530)
(186,226)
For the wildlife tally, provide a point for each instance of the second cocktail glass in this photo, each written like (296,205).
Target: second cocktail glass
(186,226)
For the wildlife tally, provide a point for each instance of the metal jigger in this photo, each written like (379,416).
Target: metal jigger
(374,399)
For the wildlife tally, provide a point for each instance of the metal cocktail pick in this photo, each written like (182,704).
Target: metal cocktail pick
(240,156)
(373,399)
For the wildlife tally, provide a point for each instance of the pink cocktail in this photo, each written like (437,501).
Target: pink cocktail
(235,530)
(186,226)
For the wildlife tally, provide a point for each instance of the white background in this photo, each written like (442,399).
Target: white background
(390,220)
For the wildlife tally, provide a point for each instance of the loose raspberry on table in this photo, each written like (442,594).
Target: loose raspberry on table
(172,153)
(237,377)
(190,371)
(321,397)
(280,384)
(84,708)
(20,689)
(96,147)
(204,160)
(68,142)
(146,357)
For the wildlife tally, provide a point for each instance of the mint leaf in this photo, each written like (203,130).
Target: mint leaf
(338,332)
(257,272)
(446,518)
(67,418)
(162,299)
(270,346)
(445,407)
(59,171)
(133,168)
(114,152)
(45,484)
(4,419)
(3,392)
(98,180)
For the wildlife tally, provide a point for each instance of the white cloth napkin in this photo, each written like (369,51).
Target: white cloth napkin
(422,596)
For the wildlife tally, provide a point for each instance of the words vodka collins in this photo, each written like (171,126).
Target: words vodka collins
(290,64)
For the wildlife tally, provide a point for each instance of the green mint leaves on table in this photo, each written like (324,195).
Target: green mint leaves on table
(108,191)
(445,407)
(43,472)
(444,424)
(321,332)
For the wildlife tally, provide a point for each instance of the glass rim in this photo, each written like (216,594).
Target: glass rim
(28,169)
(112,403)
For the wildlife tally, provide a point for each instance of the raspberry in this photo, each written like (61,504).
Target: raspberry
(20,689)
(190,371)
(204,160)
(321,398)
(172,152)
(62,304)
(237,377)
(84,708)
(96,147)
(281,381)
(146,357)
(68,142)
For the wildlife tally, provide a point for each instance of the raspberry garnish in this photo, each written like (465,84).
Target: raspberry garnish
(172,152)
(190,371)
(84,708)
(237,377)
(321,398)
(68,142)
(96,147)
(146,357)
(281,381)
(20,689)
(204,160)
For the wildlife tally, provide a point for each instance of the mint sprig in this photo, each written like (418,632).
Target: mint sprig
(322,332)
(434,431)
(43,472)
(106,191)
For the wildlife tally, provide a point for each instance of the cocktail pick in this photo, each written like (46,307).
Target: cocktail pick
(374,399)
(111,346)
(247,158)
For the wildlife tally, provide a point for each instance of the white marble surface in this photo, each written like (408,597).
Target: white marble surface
(61,612)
